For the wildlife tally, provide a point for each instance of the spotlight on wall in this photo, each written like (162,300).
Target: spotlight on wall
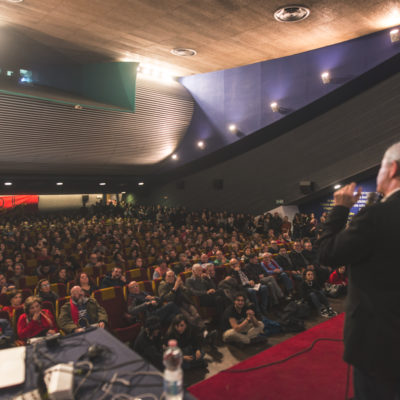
(274,106)
(174,156)
(7,183)
(326,77)
(200,144)
(141,183)
(394,35)
(102,184)
(338,186)
(232,128)
(59,183)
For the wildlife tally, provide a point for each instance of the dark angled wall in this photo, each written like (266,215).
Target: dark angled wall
(342,142)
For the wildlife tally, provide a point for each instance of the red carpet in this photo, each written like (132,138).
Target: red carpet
(317,374)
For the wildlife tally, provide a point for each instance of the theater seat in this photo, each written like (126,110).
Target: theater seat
(59,288)
(59,303)
(113,301)
(29,282)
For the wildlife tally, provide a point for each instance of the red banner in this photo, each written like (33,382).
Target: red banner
(13,201)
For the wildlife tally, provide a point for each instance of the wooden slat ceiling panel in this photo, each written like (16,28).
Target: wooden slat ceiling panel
(225,33)
(67,140)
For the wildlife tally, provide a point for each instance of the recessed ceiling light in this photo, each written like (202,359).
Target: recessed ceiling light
(59,183)
(326,77)
(232,128)
(200,144)
(292,13)
(338,186)
(174,156)
(182,52)
(141,183)
(7,183)
(102,184)
(274,106)
(394,35)
(123,192)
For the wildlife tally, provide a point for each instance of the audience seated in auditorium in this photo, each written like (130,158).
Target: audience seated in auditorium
(86,283)
(81,312)
(252,288)
(43,290)
(200,287)
(17,274)
(313,294)
(173,289)
(189,341)
(4,286)
(241,324)
(139,302)
(115,278)
(149,343)
(337,283)
(15,298)
(35,322)
(6,334)
(161,270)
(273,269)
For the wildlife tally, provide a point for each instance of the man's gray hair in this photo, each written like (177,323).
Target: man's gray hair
(392,154)
(196,266)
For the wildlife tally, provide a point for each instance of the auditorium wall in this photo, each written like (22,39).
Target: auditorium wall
(333,146)
(60,202)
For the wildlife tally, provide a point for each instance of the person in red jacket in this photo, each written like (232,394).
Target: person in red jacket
(339,277)
(35,321)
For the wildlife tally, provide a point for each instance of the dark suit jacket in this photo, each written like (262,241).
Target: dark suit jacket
(369,246)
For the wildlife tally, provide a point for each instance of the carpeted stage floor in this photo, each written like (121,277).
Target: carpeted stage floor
(317,374)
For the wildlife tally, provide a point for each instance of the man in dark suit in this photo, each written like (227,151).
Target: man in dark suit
(369,245)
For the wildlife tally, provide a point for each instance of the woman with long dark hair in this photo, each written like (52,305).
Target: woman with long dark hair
(188,341)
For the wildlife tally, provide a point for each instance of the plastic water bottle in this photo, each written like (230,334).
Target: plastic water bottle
(173,374)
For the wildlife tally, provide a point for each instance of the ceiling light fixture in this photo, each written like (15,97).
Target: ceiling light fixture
(14,1)
(338,186)
(274,106)
(123,192)
(7,183)
(102,184)
(141,183)
(232,128)
(326,77)
(395,35)
(182,52)
(200,144)
(292,13)
(59,183)
(174,156)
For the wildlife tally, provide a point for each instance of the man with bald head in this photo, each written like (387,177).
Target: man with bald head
(81,312)
(368,246)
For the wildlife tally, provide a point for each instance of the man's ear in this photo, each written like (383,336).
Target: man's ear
(394,170)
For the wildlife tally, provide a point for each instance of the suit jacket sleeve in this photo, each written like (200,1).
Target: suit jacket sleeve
(339,245)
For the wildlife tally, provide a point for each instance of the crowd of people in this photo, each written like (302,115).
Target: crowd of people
(216,275)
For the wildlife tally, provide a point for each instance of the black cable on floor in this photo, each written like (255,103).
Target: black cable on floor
(284,359)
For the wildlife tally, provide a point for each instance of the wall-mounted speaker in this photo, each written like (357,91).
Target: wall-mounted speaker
(218,184)
(306,187)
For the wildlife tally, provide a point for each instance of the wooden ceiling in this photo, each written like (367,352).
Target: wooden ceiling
(225,33)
